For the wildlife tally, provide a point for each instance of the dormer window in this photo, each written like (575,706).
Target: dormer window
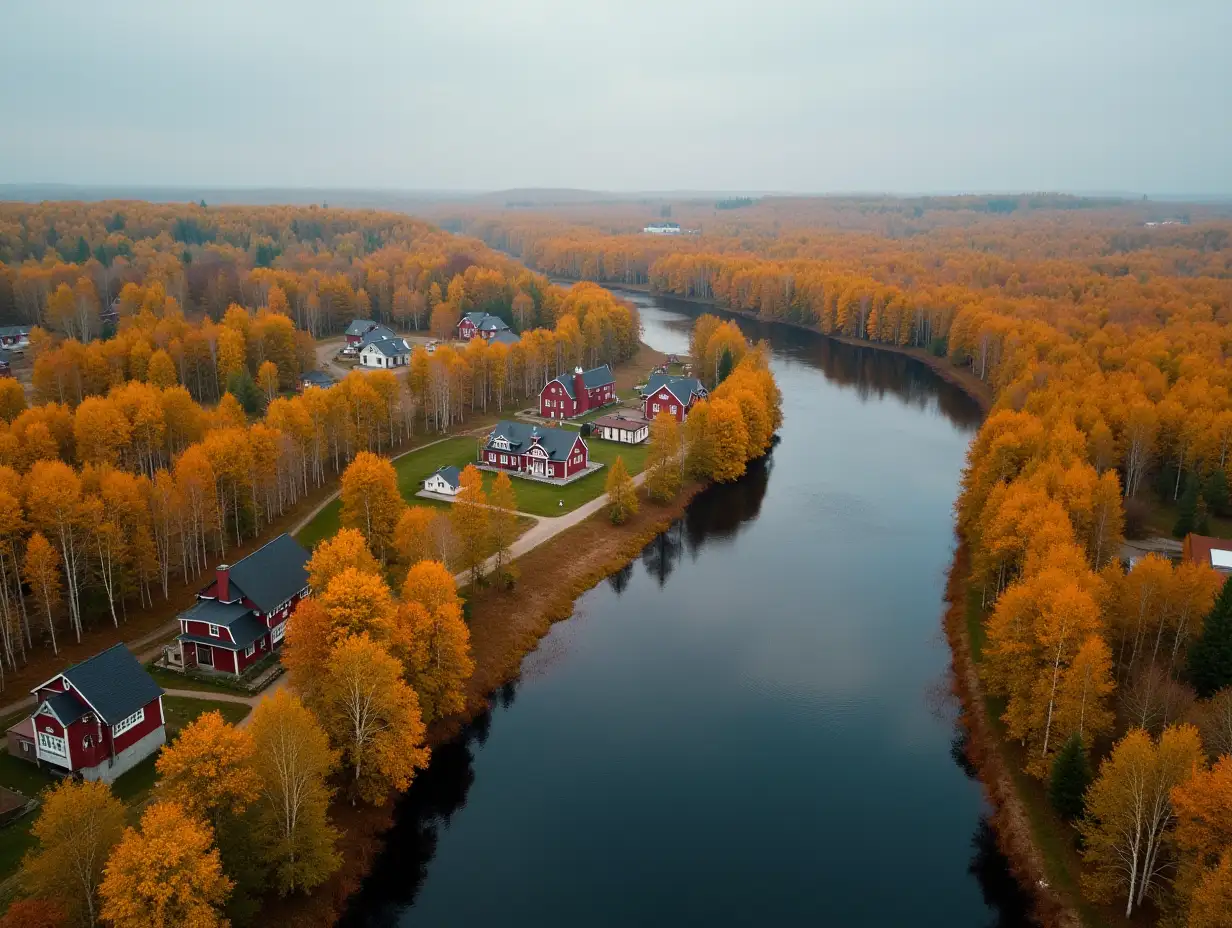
(215,631)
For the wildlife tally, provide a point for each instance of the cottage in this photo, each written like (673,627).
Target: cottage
(386,352)
(484,325)
(1213,552)
(356,331)
(322,379)
(242,615)
(538,452)
(675,395)
(571,395)
(446,481)
(96,720)
(616,427)
(375,334)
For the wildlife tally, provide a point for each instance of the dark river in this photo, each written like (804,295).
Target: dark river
(751,724)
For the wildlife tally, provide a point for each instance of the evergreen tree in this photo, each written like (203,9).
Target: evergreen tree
(1210,655)
(726,363)
(1215,491)
(1187,508)
(241,386)
(1071,775)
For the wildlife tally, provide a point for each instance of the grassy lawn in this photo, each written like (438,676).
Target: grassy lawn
(171,680)
(14,842)
(1163,515)
(22,776)
(180,710)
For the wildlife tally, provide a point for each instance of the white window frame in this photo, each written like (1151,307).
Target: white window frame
(250,650)
(125,724)
(52,744)
(278,631)
(214,630)
(673,409)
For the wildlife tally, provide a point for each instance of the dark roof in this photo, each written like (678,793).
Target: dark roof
(681,387)
(506,337)
(492,324)
(273,573)
(390,347)
(67,707)
(595,377)
(359,326)
(475,318)
(114,683)
(14,330)
(245,629)
(451,474)
(376,333)
(212,612)
(318,378)
(556,442)
(617,421)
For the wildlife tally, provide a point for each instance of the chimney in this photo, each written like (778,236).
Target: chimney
(579,391)
(223,587)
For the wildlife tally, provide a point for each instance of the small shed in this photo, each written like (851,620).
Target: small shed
(629,430)
(446,481)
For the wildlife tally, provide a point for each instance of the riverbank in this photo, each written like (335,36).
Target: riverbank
(505,627)
(977,389)
(1026,831)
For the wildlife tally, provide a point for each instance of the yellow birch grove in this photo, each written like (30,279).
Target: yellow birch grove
(437,641)
(371,502)
(470,517)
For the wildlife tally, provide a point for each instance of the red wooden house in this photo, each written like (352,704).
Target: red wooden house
(575,394)
(482,324)
(97,719)
(535,451)
(356,331)
(674,395)
(242,615)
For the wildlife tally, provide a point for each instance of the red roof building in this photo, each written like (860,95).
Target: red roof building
(1213,552)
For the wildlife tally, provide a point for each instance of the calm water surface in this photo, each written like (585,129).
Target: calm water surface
(750,725)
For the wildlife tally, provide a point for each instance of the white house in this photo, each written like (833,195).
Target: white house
(446,481)
(662,228)
(616,427)
(387,352)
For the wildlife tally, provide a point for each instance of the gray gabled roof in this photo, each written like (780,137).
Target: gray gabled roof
(318,378)
(67,707)
(595,377)
(114,683)
(390,347)
(212,612)
(273,573)
(376,333)
(246,629)
(474,317)
(493,324)
(452,475)
(681,387)
(507,337)
(556,442)
(359,326)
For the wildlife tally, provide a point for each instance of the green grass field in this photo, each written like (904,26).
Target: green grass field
(539,499)
(180,711)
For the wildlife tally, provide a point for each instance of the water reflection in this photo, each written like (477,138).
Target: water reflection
(1001,891)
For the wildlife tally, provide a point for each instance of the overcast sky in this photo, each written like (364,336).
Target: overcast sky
(810,96)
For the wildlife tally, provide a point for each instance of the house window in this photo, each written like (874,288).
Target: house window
(125,724)
(215,632)
(278,631)
(87,742)
(504,459)
(673,409)
(654,407)
(52,745)
(250,650)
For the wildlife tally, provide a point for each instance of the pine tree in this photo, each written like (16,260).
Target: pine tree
(1071,775)
(1215,491)
(1210,656)
(1187,509)
(240,385)
(725,364)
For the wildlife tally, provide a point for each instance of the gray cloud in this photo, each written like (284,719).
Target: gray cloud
(943,95)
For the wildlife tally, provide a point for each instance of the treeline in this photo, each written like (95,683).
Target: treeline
(243,815)
(65,266)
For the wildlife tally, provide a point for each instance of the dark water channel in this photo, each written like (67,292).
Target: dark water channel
(750,725)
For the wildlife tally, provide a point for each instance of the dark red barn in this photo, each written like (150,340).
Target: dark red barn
(575,394)
(99,718)
(534,451)
(242,615)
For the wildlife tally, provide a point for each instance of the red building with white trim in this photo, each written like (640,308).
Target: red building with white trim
(242,615)
(673,395)
(537,452)
(571,395)
(98,719)
(485,325)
